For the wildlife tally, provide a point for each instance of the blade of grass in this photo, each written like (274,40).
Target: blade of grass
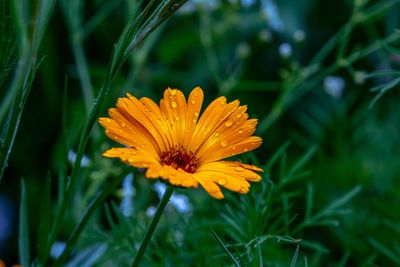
(384,250)
(23,238)
(231,257)
(44,222)
(26,68)
(294,259)
(259,254)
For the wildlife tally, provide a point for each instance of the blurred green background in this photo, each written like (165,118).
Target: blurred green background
(323,79)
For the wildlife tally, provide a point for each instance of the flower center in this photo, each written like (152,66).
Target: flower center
(180,158)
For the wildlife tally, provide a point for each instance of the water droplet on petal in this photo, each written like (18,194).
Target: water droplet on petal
(130,160)
(193,102)
(123,124)
(224,143)
(194,121)
(216,134)
(242,190)
(239,169)
(174,104)
(177,118)
(173,92)
(229,123)
(221,181)
(241,131)
(196,114)
(238,116)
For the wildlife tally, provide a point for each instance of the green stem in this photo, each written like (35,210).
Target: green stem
(150,229)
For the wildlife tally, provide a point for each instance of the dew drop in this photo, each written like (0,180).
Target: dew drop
(229,123)
(174,104)
(224,143)
(239,169)
(159,121)
(194,121)
(238,116)
(123,124)
(177,118)
(241,131)
(242,190)
(221,181)
(216,134)
(193,102)
(108,120)
(196,114)
(173,92)
(130,160)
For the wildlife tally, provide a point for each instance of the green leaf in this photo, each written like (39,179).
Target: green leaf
(23,238)
(44,222)
(384,250)
(294,259)
(231,257)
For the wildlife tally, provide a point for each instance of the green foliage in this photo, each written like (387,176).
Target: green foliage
(322,78)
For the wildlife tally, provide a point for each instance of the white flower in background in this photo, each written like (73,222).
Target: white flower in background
(285,50)
(272,13)
(151,211)
(85,161)
(243,50)
(160,189)
(180,202)
(299,36)
(247,3)
(192,6)
(57,249)
(127,192)
(265,35)
(334,86)
(360,77)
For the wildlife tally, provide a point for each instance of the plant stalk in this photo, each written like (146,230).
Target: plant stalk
(150,229)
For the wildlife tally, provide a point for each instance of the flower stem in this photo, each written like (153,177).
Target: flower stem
(150,229)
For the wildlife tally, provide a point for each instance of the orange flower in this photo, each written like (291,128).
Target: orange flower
(178,145)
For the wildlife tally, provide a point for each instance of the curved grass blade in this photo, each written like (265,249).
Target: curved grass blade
(231,257)
(23,238)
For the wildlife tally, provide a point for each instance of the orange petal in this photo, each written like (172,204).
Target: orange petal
(124,132)
(235,128)
(134,157)
(162,126)
(193,108)
(234,169)
(176,177)
(209,185)
(135,111)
